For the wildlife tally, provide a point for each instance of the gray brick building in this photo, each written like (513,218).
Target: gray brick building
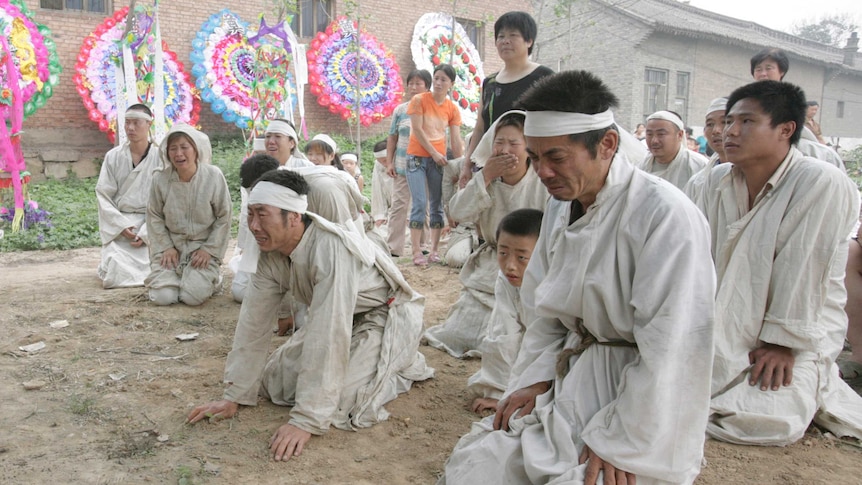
(663,54)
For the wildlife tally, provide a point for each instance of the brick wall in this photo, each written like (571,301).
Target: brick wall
(63,123)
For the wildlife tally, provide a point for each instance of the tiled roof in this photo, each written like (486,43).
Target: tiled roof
(681,19)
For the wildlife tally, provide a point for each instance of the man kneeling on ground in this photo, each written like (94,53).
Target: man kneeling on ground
(358,349)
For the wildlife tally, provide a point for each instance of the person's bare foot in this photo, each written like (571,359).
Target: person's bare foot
(285,326)
(482,404)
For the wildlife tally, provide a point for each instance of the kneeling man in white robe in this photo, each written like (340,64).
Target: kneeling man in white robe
(780,223)
(122,193)
(359,347)
(613,372)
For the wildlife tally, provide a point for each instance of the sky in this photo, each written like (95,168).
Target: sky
(781,14)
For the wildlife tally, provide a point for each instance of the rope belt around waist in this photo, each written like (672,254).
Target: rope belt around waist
(587,340)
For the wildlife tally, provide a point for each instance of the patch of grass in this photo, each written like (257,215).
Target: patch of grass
(184,475)
(81,405)
(74,212)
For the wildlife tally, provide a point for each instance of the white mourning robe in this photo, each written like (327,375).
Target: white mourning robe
(188,216)
(814,149)
(244,241)
(694,188)
(500,346)
(381,193)
(781,270)
(685,164)
(122,193)
(467,322)
(359,347)
(635,268)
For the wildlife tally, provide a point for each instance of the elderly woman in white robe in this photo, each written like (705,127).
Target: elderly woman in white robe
(505,183)
(189,221)
(122,194)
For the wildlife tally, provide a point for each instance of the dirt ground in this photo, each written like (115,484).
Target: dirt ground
(113,388)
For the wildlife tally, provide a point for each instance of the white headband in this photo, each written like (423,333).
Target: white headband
(556,123)
(278,196)
(667,116)
(282,128)
(328,140)
(134,114)
(717,104)
(380,154)
(348,156)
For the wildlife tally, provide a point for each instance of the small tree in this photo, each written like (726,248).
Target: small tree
(832,29)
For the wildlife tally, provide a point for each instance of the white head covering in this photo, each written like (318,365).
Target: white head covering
(349,156)
(667,116)
(485,148)
(278,196)
(282,128)
(328,140)
(558,123)
(136,114)
(380,154)
(200,140)
(717,104)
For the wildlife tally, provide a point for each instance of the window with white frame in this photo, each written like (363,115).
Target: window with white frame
(680,101)
(655,90)
(97,6)
(474,33)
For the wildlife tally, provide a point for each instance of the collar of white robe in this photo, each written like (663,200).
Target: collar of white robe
(557,123)
(278,196)
(667,116)
(282,128)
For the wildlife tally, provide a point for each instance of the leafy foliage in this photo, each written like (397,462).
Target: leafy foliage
(831,29)
(853,162)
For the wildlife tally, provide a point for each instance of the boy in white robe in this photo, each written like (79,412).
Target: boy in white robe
(516,239)
(613,371)
(505,183)
(669,158)
(359,348)
(780,223)
(122,194)
(250,170)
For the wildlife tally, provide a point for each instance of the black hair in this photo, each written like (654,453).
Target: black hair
(181,134)
(813,103)
(520,21)
(286,178)
(774,54)
(380,145)
(521,222)
(255,166)
(572,92)
(782,101)
(421,74)
(140,107)
(448,70)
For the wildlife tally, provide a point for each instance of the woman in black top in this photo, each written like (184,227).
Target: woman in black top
(515,34)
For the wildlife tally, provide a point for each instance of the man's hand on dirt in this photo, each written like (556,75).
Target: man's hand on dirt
(213,411)
(613,475)
(288,441)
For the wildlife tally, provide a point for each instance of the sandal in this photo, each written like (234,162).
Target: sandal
(420,260)
(435,258)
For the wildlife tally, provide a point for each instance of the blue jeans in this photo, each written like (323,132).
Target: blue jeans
(425,179)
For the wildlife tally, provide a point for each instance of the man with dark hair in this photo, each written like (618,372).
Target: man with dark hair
(769,64)
(612,374)
(772,65)
(780,223)
(250,170)
(358,349)
(122,194)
